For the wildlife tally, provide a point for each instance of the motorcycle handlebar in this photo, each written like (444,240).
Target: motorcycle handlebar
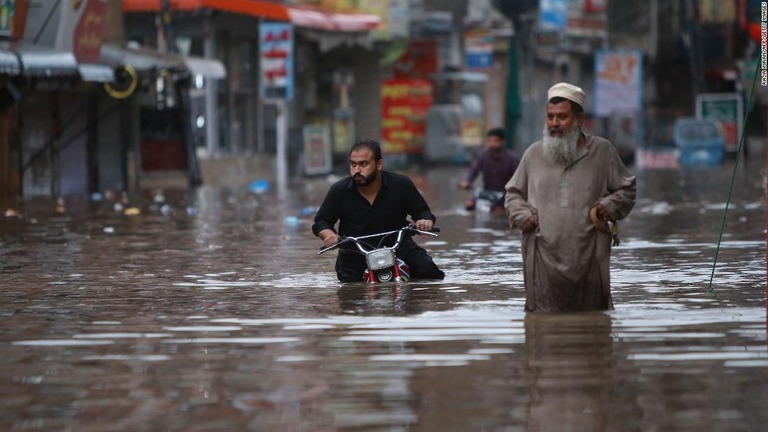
(435,229)
(411,227)
(335,245)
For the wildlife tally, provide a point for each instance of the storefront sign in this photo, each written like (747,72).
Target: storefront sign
(7,12)
(317,149)
(276,60)
(553,14)
(89,30)
(727,110)
(618,82)
(74,26)
(471,131)
(394,17)
(478,46)
(405,103)
(420,60)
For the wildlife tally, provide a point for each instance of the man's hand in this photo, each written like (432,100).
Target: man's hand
(602,213)
(329,237)
(464,184)
(424,225)
(530,224)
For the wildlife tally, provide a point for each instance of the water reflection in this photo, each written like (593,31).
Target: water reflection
(226,319)
(392,298)
(568,367)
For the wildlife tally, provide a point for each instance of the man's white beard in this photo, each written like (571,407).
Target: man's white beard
(561,150)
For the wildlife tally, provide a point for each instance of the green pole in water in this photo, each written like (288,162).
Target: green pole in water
(730,189)
(513,110)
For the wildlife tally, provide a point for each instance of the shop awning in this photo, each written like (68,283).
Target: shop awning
(9,62)
(42,62)
(327,41)
(145,59)
(142,59)
(256,8)
(300,17)
(35,61)
(318,20)
(209,68)
(96,72)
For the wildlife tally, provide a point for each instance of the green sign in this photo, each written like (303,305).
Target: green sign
(727,110)
(7,12)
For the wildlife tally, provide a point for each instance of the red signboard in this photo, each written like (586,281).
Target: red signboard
(595,5)
(418,61)
(89,30)
(405,103)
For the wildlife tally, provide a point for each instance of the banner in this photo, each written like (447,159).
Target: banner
(73,26)
(553,14)
(420,60)
(478,48)
(618,82)
(727,110)
(317,149)
(276,60)
(405,103)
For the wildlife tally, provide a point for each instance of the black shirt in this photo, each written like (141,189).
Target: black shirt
(397,199)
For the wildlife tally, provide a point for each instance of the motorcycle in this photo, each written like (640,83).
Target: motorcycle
(382,261)
(485,200)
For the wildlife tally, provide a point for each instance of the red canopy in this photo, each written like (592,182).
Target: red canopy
(300,17)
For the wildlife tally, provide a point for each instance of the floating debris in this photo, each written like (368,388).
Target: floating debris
(259,186)
(60,206)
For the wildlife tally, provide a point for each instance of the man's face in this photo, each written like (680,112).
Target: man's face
(494,144)
(363,168)
(561,119)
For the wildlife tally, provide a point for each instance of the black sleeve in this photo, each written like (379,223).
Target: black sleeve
(328,213)
(416,204)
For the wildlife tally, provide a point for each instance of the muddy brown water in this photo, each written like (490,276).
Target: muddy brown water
(219,315)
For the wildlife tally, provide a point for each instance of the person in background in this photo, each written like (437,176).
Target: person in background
(497,164)
(568,186)
(369,201)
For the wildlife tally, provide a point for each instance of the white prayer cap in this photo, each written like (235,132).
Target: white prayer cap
(567,91)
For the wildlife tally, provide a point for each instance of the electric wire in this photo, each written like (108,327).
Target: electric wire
(733,176)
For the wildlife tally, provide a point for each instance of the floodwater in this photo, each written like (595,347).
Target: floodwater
(215,313)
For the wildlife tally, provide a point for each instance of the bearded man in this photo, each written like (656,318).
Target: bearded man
(567,186)
(372,200)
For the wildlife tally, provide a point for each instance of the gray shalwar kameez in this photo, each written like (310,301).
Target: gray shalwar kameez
(566,261)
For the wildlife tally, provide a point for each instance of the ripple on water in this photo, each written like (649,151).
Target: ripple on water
(62,342)
(233,340)
(138,357)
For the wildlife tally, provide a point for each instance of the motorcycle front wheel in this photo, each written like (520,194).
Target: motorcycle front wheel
(384,275)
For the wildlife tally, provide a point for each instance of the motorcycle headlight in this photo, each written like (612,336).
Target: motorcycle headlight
(380,258)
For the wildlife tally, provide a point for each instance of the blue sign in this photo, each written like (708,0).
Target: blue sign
(553,14)
(478,50)
(479,60)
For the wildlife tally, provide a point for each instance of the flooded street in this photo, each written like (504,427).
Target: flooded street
(216,314)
